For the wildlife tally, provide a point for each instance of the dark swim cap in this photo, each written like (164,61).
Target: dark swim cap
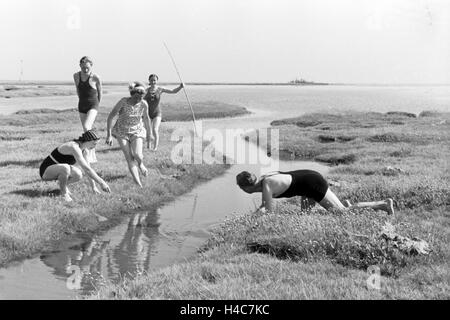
(86,59)
(246,179)
(89,135)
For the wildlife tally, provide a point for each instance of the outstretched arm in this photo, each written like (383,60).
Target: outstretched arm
(90,180)
(84,165)
(175,90)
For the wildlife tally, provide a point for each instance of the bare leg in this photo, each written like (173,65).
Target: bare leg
(385,205)
(136,148)
(65,174)
(126,149)
(331,201)
(155,130)
(87,119)
(87,122)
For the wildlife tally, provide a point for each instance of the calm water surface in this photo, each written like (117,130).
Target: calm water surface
(286,100)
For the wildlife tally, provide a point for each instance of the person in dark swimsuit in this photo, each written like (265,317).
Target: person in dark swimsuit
(305,183)
(88,98)
(89,91)
(153,97)
(66,162)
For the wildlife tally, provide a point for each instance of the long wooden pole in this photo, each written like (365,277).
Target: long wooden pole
(184,90)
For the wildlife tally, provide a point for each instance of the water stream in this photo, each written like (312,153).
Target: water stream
(143,241)
(148,240)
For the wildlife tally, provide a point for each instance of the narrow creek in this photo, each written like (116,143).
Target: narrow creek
(143,241)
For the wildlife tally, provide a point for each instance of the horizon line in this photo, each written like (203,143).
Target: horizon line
(118,82)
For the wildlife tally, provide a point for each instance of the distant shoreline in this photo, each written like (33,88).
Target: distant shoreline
(125,83)
(121,83)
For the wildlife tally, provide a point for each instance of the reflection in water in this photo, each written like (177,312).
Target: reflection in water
(160,238)
(101,259)
(144,241)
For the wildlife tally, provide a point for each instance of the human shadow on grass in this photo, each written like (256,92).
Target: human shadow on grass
(37,193)
(107,150)
(27,163)
(110,178)
(23,183)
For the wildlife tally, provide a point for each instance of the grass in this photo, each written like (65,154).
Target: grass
(294,254)
(33,218)
(19,91)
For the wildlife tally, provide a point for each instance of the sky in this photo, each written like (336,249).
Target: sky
(336,41)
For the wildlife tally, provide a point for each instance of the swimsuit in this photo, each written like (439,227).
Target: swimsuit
(129,125)
(153,104)
(306,183)
(88,98)
(54,158)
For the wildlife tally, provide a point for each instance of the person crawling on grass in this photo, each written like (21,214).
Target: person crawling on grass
(306,183)
(131,129)
(66,163)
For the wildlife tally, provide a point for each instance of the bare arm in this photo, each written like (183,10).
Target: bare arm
(175,90)
(266,195)
(109,121)
(146,119)
(76,80)
(84,165)
(98,84)
(90,180)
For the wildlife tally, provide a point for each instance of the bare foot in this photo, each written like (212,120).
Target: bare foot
(100,218)
(143,169)
(95,190)
(67,197)
(389,206)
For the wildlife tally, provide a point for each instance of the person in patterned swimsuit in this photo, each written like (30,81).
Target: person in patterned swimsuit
(131,128)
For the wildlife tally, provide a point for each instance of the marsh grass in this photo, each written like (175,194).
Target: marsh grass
(33,217)
(295,254)
(19,91)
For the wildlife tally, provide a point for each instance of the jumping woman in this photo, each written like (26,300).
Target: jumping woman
(131,128)
(305,183)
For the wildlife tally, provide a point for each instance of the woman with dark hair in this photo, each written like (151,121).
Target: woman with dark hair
(67,162)
(131,128)
(153,97)
(306,183)
(89,91)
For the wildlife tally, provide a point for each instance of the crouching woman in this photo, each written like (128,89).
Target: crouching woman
(66,163)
